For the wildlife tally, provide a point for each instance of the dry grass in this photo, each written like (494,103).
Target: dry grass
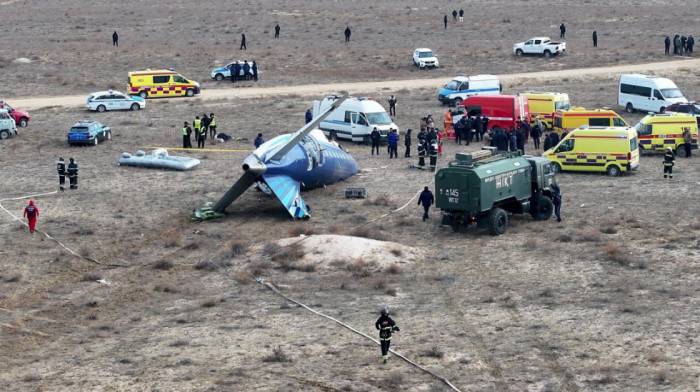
(394,269)
(238,247)
(278,355)
(243,277)
(379,200)
(163,265)
(301,228)
(614,252)
(367,232)
(359,268)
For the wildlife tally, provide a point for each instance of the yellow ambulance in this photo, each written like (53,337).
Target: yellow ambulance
(545,104)
(161,83)
(568,120)
(613,150)
(657,132)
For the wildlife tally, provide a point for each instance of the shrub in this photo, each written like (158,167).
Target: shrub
(564,238)
(366,232)
(243,277)
(379,283)
(608,230)
(172,240)
(211,265)
(359,269)
(396,251)
(300,228)
(163,265)
(238,247)
(434,352)
(591,236)
(380,200)
(394,269)
(91,277)
(278,355)
(209,303)
(614,253)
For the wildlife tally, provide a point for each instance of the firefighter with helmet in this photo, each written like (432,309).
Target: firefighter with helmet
(386,327)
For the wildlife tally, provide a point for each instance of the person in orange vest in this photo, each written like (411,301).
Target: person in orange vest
(448,120)
(440,136)
(31,212)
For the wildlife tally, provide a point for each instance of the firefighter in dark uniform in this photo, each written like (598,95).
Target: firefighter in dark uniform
(61,168)
(205,124)
(669,161)
(186,132)
(202,137)
(212,126)
(433,148)
(386,327)
(73,174)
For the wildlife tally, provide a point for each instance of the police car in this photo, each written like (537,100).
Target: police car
(88,132)
(114,100)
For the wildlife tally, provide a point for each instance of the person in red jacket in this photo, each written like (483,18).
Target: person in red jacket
(31,212)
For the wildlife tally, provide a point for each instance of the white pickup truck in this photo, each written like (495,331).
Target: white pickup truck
(539,45)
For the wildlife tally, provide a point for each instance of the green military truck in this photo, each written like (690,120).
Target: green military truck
(483,186)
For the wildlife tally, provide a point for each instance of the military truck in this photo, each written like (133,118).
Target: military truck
(482,187)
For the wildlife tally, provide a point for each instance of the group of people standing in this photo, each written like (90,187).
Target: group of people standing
(202,126)
(468,128)
(682,45)
(244,71)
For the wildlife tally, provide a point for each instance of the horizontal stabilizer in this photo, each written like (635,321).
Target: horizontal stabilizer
(287,190)
(236,190)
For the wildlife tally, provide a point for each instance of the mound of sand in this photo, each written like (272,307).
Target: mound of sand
(327,248)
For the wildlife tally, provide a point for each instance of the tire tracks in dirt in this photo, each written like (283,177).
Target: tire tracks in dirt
(549,358)
(333,88)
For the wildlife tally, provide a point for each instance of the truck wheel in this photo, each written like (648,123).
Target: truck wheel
(547,54)
(23,122)
(189,92)
(614,171)
(143,94)
(680,151)
(457,101)
(662,110)
(544,210)
(4,134)
(498,221)
(519,52)
(642,151)
(629,108)
(219,77)
(557,167)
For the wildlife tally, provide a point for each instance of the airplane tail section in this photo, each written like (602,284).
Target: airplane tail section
(287,190)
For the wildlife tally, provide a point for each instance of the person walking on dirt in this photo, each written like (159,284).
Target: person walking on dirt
(115,38)
(212,126)
(186,132)
(461,15)
(445,19)
(669,161)
(426,199)
(31,212)
(347,33)
(61,168)
(556,199)
(562,31)
(433,150)
(407,143)
(386,327)
(254,68)
(536,133)
(375,137)
(595,39)
(277,30)
(667,45)
(392,105)
(243,47)
(73,174)
(448,120)
(422,137)
(454,16)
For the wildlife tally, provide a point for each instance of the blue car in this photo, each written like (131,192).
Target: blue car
(88,132)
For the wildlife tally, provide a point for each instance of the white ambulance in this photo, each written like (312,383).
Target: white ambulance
(354,119)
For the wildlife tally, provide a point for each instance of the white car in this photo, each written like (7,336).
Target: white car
(102,101)
(425,58)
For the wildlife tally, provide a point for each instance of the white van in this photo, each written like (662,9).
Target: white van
(647,93)
(463,86)
(354,119)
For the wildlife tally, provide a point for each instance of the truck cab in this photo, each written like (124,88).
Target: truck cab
(7,125)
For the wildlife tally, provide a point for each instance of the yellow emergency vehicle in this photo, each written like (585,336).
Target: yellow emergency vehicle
(160,83)
(568,120)
(657,132)
(545,104)
(597,149)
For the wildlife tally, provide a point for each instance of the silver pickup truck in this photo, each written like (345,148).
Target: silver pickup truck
(542,46)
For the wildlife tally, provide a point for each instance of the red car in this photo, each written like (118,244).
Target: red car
(691,108)
(21,117)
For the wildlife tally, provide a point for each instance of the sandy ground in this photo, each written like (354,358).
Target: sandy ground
(605,301)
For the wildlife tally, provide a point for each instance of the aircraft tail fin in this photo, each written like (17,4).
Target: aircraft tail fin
(287,191)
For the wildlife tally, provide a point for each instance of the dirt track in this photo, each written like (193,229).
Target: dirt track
(322,89)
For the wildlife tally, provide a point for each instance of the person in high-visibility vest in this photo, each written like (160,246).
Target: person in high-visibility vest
(186,132)
(448,120)
(386,327)
(195,128)
(202,137)
(212,126)
(669,161)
